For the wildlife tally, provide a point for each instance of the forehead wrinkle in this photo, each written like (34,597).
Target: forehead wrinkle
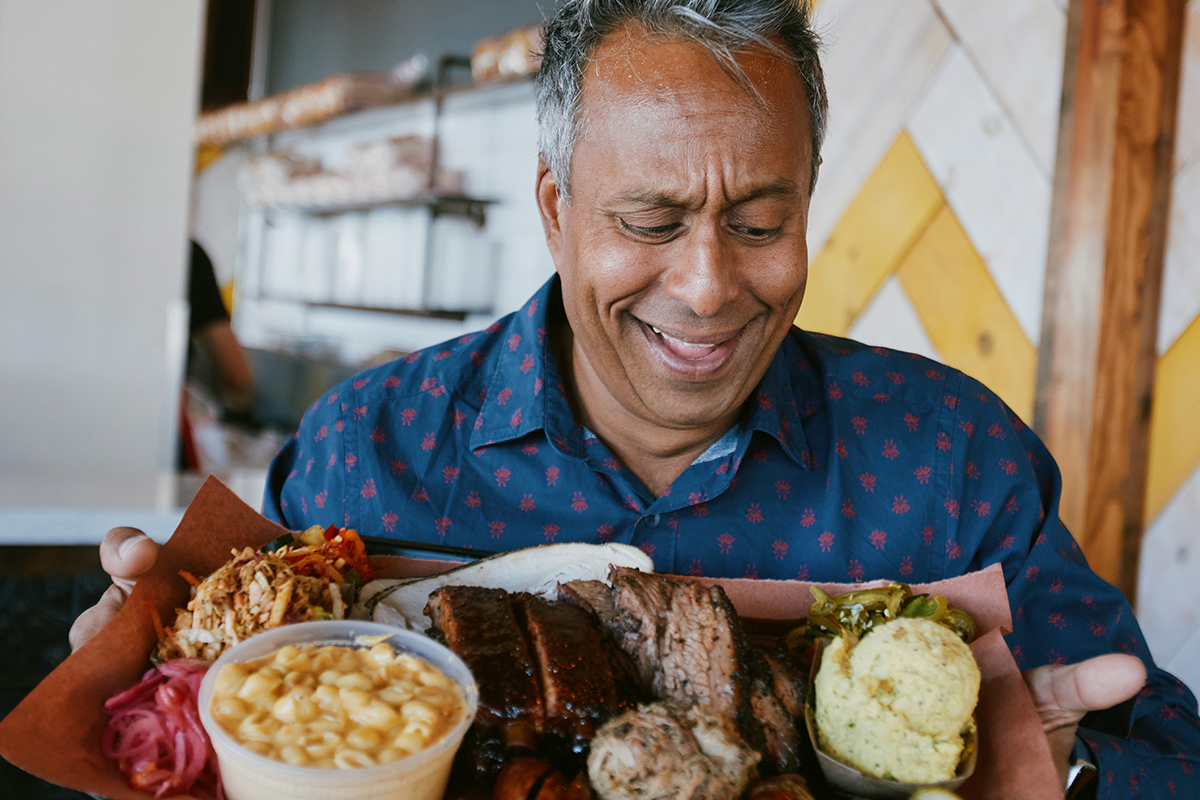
(781,187)
(636,73)
(657,198)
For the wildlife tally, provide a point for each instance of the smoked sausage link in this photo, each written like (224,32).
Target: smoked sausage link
(781,787)
(521,779)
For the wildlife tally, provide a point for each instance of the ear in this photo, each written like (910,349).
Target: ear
(550,206)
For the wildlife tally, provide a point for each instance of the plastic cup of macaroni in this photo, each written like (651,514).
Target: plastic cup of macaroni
(423,775)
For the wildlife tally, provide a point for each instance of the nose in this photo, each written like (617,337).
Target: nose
(704,275)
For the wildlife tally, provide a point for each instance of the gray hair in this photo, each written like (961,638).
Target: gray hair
(725,27)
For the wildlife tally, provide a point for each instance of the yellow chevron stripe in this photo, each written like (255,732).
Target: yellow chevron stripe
(227,292)
(1174,423)
(890,211)
(965,315)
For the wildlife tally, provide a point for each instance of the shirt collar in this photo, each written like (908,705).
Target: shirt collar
(527,392)
(774,407)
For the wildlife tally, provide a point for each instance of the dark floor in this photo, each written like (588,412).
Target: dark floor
(42,590)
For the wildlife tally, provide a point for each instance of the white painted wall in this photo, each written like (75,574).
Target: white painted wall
(97,102)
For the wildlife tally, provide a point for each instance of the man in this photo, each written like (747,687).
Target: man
(215,357)
(654,392)
(210,328)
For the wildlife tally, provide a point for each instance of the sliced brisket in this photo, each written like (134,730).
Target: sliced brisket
(789,680)
(551,673)
(593,596)
(779,726)
(688,645)
(790,687)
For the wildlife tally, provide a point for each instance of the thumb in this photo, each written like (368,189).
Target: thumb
(1063,693)
(126,553)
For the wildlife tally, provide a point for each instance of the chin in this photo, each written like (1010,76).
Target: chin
(682,409)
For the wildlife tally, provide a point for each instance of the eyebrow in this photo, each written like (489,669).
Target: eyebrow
(660,199)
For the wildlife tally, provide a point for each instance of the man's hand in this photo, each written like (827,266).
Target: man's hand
(125,553)
(1062,694)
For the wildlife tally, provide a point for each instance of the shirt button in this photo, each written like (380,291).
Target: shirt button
(652,522)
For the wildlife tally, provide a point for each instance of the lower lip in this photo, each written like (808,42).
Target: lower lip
(694,369)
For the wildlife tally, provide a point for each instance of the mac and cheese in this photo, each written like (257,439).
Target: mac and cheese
(335,706)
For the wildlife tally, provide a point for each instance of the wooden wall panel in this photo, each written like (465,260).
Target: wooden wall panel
(881,224)
(879,58)
(1110,211)
(965,314)
(1016,44)
(1175,425)
(990,179)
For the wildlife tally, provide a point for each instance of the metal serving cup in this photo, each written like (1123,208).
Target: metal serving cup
(857,783)
(421,776)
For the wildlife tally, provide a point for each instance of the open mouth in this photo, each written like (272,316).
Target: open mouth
(694,358)
(692,351)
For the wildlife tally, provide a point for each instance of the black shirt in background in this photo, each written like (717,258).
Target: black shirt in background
(204,296)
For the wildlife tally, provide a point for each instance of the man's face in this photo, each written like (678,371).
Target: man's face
(682,253)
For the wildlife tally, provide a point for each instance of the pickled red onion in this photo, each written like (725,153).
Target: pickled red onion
(155,733)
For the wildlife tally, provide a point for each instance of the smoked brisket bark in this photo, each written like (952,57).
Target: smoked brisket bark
(596,598)
(688,645)
(790,688)
(776,683)
(789,679)
(580,691)
(779,726)
(479,625)
(593,596)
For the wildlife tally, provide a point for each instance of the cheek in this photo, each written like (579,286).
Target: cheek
(779,281)
(592,286)
(611,269)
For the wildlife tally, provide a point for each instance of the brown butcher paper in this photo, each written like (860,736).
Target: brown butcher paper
(55,732)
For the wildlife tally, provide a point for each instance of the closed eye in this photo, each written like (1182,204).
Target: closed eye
(759,234)
(660,232)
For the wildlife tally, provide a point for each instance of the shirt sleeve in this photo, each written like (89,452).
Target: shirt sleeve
(1007,498)
(306,480)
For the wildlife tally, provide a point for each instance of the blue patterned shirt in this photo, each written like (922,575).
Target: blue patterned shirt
(850,463)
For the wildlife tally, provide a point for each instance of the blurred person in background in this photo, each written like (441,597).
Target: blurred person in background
(216,364)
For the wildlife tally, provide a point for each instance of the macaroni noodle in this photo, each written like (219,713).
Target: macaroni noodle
(334,706)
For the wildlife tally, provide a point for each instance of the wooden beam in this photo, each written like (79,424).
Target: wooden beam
(1104,273)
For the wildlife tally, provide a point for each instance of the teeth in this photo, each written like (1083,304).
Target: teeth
(680,341)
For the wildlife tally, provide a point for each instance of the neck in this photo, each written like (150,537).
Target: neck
(655,453)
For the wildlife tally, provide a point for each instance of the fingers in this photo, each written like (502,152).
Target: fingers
(89,623)
(127,553)
(1062,694)
(1105,681)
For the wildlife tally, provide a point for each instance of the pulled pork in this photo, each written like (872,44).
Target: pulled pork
(254,592)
